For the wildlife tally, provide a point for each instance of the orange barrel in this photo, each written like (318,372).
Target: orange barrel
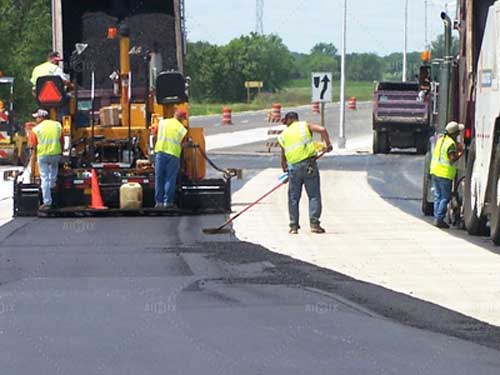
(276,112)
(352,104)
(315,108)
(227,118)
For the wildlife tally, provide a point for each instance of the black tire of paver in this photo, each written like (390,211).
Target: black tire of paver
(475,226)
(494,199)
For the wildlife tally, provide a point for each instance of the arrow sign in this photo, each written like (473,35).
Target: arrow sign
(322,87)
(325,81)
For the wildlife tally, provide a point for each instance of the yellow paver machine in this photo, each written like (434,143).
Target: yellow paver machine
(126,65)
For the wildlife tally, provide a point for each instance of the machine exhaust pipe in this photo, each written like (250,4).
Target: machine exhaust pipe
(447,34)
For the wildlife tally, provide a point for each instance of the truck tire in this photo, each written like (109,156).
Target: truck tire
(495,198)
(427,207)
(421,143)
(381,143)
(476,226)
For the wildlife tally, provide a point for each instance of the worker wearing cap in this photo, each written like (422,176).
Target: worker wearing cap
(49,68)
(443,170)
(48,138)
(168,148)
(298,158)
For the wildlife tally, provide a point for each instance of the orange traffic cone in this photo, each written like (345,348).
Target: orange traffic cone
(97,203)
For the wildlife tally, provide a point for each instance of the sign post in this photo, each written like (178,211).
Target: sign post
(322,91)
(253,85)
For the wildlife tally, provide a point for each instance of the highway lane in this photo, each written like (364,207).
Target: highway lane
(151,295)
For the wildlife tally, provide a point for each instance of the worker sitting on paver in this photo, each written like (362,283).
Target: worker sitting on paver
(49,68)
(298,158)
(445,155)
(168,148)
(48,138)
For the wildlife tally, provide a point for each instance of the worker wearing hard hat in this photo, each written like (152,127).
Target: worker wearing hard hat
(298,158)
(48,138)
(169,134)
(49,68)
(443,170)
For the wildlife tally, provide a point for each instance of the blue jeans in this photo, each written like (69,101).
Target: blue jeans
(306,174)
(166,170)
(49,166)
(442,196)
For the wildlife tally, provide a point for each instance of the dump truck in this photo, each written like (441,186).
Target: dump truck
(125,60)
(401,117)
(470,95)
(13,140)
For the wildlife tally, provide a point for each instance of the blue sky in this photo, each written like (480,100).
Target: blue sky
(374,25)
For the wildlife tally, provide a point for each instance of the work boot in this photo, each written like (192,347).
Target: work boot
(44,207)
(316,228)
(440,223)
(294,229)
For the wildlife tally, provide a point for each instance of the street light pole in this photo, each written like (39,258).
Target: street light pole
(342,140)
(405,42)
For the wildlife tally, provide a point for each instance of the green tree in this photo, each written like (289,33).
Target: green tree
(30,22)
(219,73)
(437,47)
(364,67)
(327,49)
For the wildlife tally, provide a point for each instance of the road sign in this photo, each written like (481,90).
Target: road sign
(322,87)
(254,84)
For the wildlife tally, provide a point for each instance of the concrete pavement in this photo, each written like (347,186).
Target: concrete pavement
(372,240)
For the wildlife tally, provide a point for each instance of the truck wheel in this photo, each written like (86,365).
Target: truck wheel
(376,147)
(427,206)
(495,199)
(381,143)
(475,225)
(421,143)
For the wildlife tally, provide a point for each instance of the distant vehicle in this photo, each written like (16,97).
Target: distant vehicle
(400,117)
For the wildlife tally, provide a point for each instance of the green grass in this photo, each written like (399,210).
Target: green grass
(297,92)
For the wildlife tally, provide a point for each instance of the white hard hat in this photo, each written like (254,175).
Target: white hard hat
(454,127)
(41,113)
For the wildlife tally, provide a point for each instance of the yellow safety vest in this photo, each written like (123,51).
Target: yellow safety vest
(440,164)
(45,69)
(48,134)
(297,141)
(171,132)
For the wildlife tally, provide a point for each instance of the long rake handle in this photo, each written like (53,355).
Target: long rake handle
(230,220)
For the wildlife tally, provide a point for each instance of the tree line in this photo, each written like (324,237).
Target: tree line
(218,73)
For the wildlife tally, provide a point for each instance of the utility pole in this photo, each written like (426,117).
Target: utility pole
(405,51)
(342,140)
(259,22)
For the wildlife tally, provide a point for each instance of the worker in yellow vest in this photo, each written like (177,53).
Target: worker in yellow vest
(298,158)
(49,68)
(168,148)
(443,171)
(48,139)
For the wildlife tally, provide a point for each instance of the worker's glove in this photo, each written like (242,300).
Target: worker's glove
(329,148)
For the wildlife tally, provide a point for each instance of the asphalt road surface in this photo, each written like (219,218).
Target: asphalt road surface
(156,296)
